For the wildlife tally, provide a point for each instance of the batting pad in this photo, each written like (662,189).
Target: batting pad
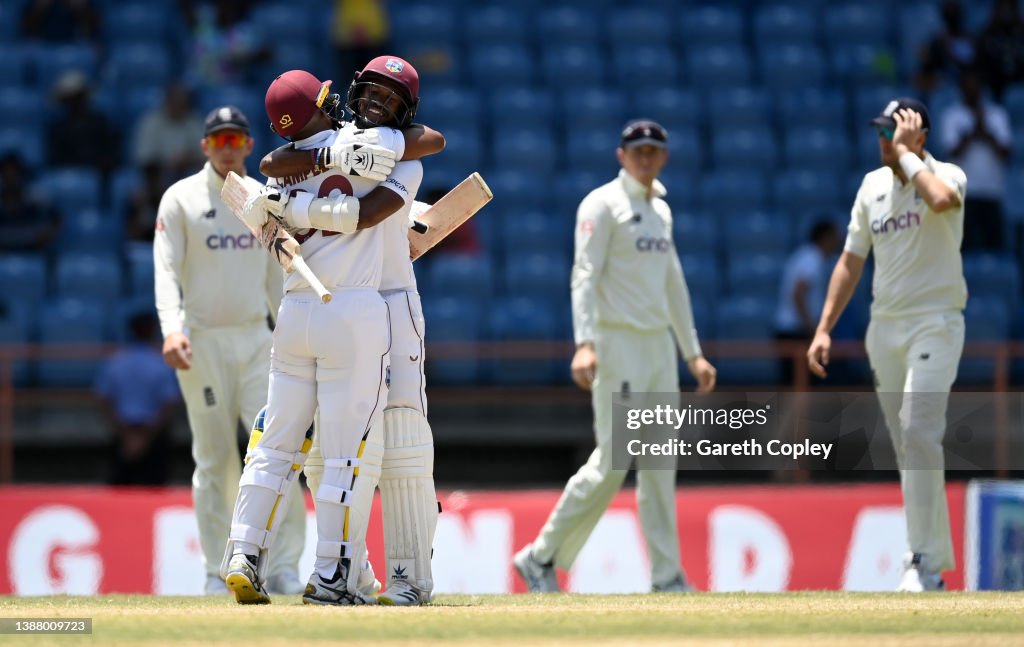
(408,499)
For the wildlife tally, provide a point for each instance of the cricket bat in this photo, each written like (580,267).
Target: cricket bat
(434,223)
(272,237)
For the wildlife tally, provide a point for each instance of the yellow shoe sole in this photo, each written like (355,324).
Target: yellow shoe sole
(245,592)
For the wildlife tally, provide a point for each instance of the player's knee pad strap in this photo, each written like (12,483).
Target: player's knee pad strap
(334,549)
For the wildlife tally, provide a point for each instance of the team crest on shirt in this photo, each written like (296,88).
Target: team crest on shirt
(587,227)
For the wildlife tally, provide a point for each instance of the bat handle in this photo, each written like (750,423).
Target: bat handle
(300,266)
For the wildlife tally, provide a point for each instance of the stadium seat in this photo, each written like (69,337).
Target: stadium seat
(464,276)
(535,274)
(681,183)
(59,59)
(853,24)
(267,19)
(595,109)
(463,149)
(571,187)
(814,148)
(138,64)
(993,276)
(747,319)
(140,270)
(568,25)
(14,331)
(144,22)
(26,142)
(536,232)
(716,66)
(695,233)
(496,25)
(532,148)
(593,151)
(428,21)
(799,192)
(685,149)
(755,233)
(703,273)
(19,66)
(519,188)
(24,277)
(573,66)
(791,67)
(985,319)
(868,102)
(638,27)
(452,319)
(782,24)
(70,320)
(523,318)
(918,23)
(23,107)
(437,61)
(864,65)
(718,24)
(247,98)
(90,230)
(71,189)
(738,107)
(521,107)
(646,67)
(1013,100)
(1013,207)
(500,65)
(754,274)
(443,106)
(812,107)
(733,190)
(750,148)
(671,107)
(90,276)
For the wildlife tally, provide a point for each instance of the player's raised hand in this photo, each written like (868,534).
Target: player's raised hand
(584,366)
(705,374)
(177,351)
(371,161)
(908,127)
(817,354)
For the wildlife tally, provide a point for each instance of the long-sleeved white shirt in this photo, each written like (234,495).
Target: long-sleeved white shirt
(209,270)
(918,268)
(626,271)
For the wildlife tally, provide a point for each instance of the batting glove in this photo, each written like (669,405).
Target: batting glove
(361,160)
(266,203)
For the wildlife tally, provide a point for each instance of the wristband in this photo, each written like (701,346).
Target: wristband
(911,164)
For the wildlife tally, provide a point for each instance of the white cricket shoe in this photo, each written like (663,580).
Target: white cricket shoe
(403,594)
(286,582)
(320,590)
(214,586)
(244,582)
(677,585)
(539,578)
(918,580)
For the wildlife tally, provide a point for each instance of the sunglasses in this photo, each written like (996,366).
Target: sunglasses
(886,132)
(234,140)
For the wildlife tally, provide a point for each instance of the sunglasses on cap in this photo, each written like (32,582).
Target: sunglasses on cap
(232,139)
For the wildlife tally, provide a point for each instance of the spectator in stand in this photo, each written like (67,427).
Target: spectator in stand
(946,55)
(226,48)
(79,135)
(360,32)
(27,222)
(977,137)
(167,136)
(1000,47)
(61,21)
(138,394)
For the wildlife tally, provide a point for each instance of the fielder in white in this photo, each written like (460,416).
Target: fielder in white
(386,93)
(329,357)
(629,296)
(911,212)
(214,289)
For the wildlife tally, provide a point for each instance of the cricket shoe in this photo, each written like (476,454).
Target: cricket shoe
(285,583)
(916,579)
(677,585)
(403,594)
(243,581)
(539,578)
(368,584)
(333,591)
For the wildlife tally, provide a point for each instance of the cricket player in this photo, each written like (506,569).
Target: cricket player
(911,212)
(629,297)
(214,290)
(386,94)
(329,357)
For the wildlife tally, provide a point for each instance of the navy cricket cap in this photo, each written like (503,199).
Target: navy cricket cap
(224,118)
(885,120)
(644,131)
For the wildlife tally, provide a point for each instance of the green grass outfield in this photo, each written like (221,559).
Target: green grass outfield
(812,618)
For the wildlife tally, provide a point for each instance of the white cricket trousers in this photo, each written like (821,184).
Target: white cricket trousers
(227,383)
(408,384)
(919,355)
(645,362)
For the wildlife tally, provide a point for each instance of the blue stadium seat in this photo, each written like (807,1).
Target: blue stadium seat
(754,274)
(862,65)
(854,24)
(718,66)
(247,98)
(985,319)
(71,188)
(300,54)
(27,143)
(814,148)
(799,192)
(1014,187)
(268,19)
(519,148)
(452,319)
(712,24)
(500,65)
(757,232)
(749,148)
(138,64)
(519,188)
(24,277)
(123,183)
(465,276)
(703,273)
(521,319)
(536,231)
(522,106)
(90,276)
(1013,100)
(441,174)
(145,22)
(568,25)
(812,107)
(1017,158)
(428,21)
(639,27)
(140,270)
(444,106)
(71,320)
(90,230)
(733,190)
(746,318)
(738,107)
(19,63)
(782,24)
(671,107)
(685,149)
(23,107)
(704,319)
(573,66)
(463,148)
(695,233)
(682,184)
(62,58)
(13,331)
(593,151)
(535,274)
(571,187)
(437,61)
(993,276)
(595,108)
(646,67)
(868,102)
(790,67)
(496,25)
(918,23)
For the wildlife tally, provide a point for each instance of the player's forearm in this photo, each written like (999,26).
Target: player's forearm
(421,141)
(938,195)
(841,286)
(288,161)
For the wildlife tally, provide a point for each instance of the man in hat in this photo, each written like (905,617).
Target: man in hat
(215,288)
(911,212)
(629,299)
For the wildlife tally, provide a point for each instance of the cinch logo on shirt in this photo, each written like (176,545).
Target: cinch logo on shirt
(903,221)
(227,241)
(646,244)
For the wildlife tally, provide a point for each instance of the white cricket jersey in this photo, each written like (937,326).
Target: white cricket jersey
(397,273)
(353,260)
(626,272)
(918,268)
(209,270)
